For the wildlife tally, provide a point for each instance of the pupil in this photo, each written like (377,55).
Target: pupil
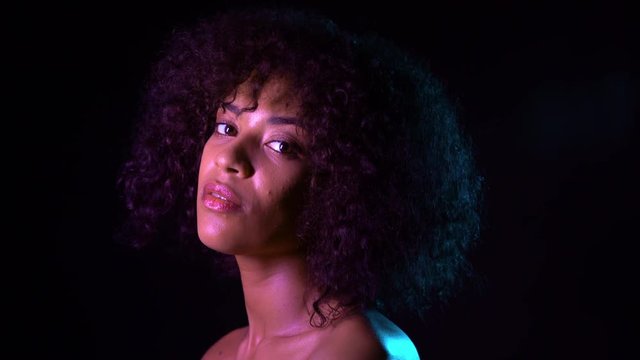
(284,146)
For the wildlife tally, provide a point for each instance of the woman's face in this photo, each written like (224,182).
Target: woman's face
(253,173)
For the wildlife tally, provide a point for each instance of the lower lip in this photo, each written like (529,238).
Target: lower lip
(213,203)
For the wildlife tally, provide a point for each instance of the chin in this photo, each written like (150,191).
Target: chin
(214,241)
(220,241)
(214,232)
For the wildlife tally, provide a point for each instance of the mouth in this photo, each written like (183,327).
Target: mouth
(220,198)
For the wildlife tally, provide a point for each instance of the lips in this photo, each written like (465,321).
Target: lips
(220,197)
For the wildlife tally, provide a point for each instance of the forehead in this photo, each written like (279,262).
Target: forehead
(276,95)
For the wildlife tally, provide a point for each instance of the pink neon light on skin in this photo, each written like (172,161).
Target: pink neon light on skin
(269,184)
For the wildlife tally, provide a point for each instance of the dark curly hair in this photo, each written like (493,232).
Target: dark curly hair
(392,206)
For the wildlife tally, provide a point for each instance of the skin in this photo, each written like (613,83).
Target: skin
(261,235)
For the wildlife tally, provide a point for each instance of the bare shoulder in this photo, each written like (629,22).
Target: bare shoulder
(351,338)
(227,346)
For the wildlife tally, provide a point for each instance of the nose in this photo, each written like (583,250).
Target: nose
(234,159)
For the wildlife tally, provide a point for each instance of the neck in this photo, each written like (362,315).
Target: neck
(275,294)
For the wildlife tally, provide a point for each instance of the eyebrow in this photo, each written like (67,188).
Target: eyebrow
(282,120)
(274,120)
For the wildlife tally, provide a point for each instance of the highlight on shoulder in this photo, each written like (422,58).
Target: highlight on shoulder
(396,342)
(367,336)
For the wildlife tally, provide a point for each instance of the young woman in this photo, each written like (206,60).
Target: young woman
(327,166)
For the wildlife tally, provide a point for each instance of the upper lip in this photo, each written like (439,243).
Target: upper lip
(223,191)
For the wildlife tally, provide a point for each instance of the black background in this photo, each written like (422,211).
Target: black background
(545,91)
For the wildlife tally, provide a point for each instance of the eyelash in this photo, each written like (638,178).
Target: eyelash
(295,149)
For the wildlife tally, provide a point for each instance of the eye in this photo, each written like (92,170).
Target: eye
(283,147)
(224,129)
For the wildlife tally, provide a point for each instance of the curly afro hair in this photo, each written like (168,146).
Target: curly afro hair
(392,207)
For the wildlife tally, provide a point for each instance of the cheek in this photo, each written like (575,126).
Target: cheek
(206,160)
(279,194)
(288,196)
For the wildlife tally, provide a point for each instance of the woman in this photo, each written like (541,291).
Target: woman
(327,166)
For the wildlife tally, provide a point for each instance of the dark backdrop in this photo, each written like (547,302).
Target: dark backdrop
(545,92)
